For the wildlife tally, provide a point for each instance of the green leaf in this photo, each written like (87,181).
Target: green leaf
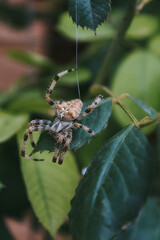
(67,28)
(90,13)
(11,177)
(10,124)
(143,26)
(114,187)
(27,102)
(147,225)
(30,58)
(155,191)
(154,44)
(4,231)
(96,120)
(139,76)
(146,108)
(84,75)
(50,187)
(1,185)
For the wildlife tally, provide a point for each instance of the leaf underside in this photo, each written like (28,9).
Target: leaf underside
(96,120)
(114,188)
(50,187)
(90,13)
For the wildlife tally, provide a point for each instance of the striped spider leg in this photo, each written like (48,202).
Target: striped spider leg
(65,136)
(55,79)
(34,125)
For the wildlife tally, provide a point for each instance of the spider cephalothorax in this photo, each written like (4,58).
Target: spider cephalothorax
(68,115)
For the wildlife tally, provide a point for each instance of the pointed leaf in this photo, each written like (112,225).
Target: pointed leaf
(50,187)
(145,107)
(96,120)
(10,124)
(147,225)
(114,188)
(67,28)
(90,13)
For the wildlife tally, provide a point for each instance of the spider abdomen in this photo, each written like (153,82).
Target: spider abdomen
(70,110)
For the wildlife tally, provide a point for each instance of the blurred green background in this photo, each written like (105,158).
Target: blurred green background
(37,40)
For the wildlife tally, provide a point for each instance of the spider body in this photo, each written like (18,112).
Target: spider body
(68,115)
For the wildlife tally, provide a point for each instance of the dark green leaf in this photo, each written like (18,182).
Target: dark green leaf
(114,188)
(67,28)
(4,232)
(155,191)
(147,225)
(146,108)
(11,177)
(96,120)
(90,13)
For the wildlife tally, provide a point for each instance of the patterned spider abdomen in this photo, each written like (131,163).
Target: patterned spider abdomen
(70,110)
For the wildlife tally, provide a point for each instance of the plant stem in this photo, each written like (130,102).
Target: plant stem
(116,44)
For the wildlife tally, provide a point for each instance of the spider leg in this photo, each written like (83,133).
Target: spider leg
(29,131)
(85,128)
(35,123)
(48,99)
(68,140)
(90,107)
(60,138)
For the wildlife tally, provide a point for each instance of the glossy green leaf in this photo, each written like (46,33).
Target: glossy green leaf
(10,124)
(90,13)
(96,120)
(145,107)
(50,187)
(147,225)
(114,187)
(67,28)
(155,191)
(143,26)
(139,76)
(30,58)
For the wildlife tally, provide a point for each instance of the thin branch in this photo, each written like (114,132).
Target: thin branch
(116,44)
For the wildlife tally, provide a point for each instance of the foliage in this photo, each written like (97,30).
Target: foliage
(115,192)
(89,14)
(114,174)
(51,206)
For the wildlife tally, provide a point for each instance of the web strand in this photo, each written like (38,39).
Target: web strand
(79,94)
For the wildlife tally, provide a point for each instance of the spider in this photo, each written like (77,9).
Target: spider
(68,115)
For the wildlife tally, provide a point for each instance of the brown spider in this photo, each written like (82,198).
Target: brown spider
(68,115)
